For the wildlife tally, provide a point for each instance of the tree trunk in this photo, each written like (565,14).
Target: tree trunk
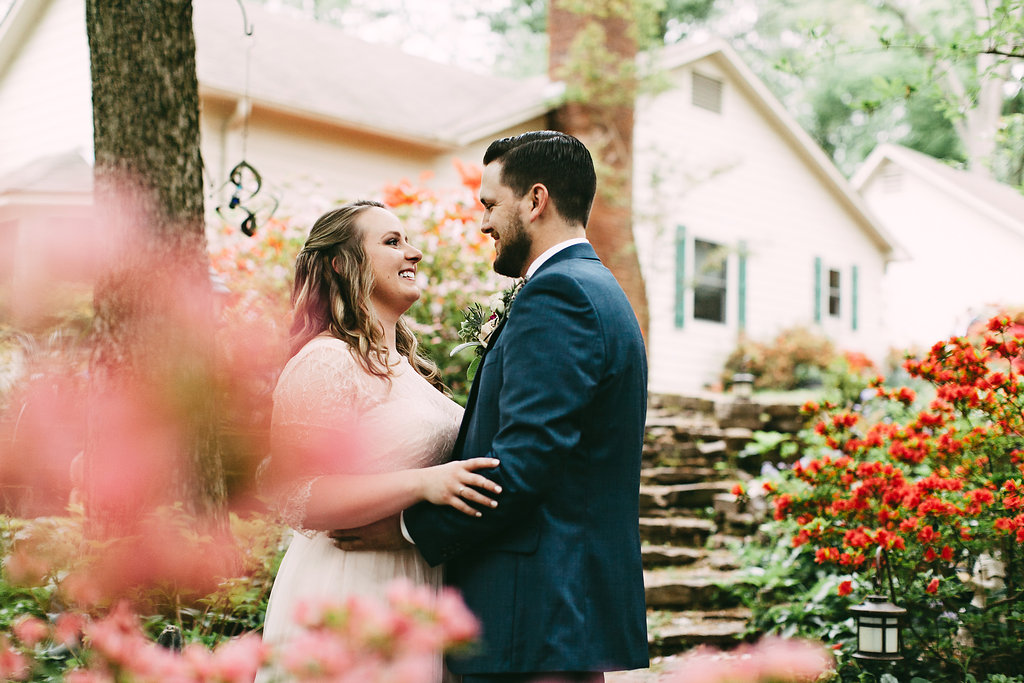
(593,49)
(153,311)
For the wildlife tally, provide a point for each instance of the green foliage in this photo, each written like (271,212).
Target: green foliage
(41,555)
(457,272)
(907,73)
(797,358)
(933,487)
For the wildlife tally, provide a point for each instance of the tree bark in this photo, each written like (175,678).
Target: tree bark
(153,310)
(593,47)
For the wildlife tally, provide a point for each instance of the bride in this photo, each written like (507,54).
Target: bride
(361,427)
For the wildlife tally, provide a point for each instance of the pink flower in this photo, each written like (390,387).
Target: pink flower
(459,624)
(85,676)
(772,659)
(14,666)
(30,630)
(237,660)
(69,627)
(315,654)
(783,659)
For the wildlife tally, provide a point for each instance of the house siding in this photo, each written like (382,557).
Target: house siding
(962,264)
(46,91)
(734,178)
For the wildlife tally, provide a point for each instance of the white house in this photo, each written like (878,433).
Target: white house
(320,114)
(721,168)
(748,227)
(963,232)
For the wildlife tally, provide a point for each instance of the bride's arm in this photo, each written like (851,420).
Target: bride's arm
(316,476)
(346,501)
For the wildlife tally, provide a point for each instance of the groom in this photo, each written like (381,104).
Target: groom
(553,573)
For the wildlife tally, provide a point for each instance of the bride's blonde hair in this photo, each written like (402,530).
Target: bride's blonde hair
(333,283)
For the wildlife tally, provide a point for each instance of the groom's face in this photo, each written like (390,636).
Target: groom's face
(503,222)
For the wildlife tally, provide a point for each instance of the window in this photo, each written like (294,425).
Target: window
(833,293)
(709,289)
(707,93)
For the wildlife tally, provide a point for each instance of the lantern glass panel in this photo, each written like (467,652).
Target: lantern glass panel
(869,635)
(892,636)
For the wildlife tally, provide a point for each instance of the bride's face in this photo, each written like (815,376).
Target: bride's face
(392,259)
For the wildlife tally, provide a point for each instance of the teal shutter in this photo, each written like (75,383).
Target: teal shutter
(680,275)
(742,312)
(853,299)
(817,289)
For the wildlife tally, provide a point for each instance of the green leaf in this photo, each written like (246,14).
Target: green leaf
(471,371)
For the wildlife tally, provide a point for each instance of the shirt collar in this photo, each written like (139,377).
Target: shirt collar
(540,260)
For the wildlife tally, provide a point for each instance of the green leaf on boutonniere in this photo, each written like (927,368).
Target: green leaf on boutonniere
(471,370)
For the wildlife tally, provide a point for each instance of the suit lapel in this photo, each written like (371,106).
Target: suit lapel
(575,251)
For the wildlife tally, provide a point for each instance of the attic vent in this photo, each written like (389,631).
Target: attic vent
(892,178)
(707,93)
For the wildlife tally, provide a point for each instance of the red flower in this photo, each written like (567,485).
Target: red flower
(845,587)
(933,586)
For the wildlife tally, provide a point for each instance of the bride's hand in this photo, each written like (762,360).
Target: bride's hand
(456,484)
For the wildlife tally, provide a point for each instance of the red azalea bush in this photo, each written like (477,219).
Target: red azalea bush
(939,490)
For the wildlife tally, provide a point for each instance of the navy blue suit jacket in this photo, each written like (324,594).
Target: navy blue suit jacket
(554,572)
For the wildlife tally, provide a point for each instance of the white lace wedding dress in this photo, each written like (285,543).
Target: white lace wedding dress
(406,424)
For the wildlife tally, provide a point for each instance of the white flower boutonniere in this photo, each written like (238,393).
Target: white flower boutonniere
(480,324)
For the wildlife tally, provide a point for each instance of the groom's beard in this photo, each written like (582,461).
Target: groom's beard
(511,260)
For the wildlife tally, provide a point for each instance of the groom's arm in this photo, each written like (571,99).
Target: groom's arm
(553,358)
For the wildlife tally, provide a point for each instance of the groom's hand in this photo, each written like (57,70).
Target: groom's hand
(382,535)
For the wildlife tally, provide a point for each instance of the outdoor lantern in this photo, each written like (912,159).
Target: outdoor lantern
(743,385)
(879,629)
(879,621)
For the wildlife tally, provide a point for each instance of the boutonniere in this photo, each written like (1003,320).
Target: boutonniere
(480,323)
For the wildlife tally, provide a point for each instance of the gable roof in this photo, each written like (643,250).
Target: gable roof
(998,201)
(56,179)
(318,71)
(726,58)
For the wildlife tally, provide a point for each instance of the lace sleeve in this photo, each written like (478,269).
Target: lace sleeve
(317,403)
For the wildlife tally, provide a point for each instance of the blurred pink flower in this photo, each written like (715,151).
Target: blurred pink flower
(237,660)
(459,624)
(30,630)
(69,627)
(86,676)
(14,666)
(787,659)
(771,660)
(315,654)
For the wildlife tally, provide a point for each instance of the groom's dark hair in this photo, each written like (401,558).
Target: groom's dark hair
(558,161)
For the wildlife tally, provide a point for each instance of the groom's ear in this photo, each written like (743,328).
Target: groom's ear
(539,199)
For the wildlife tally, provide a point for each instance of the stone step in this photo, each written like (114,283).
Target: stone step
(673,403)
(672,633)
(687,531)
(668,476)
(676,496)
(690,588)
(670,556)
